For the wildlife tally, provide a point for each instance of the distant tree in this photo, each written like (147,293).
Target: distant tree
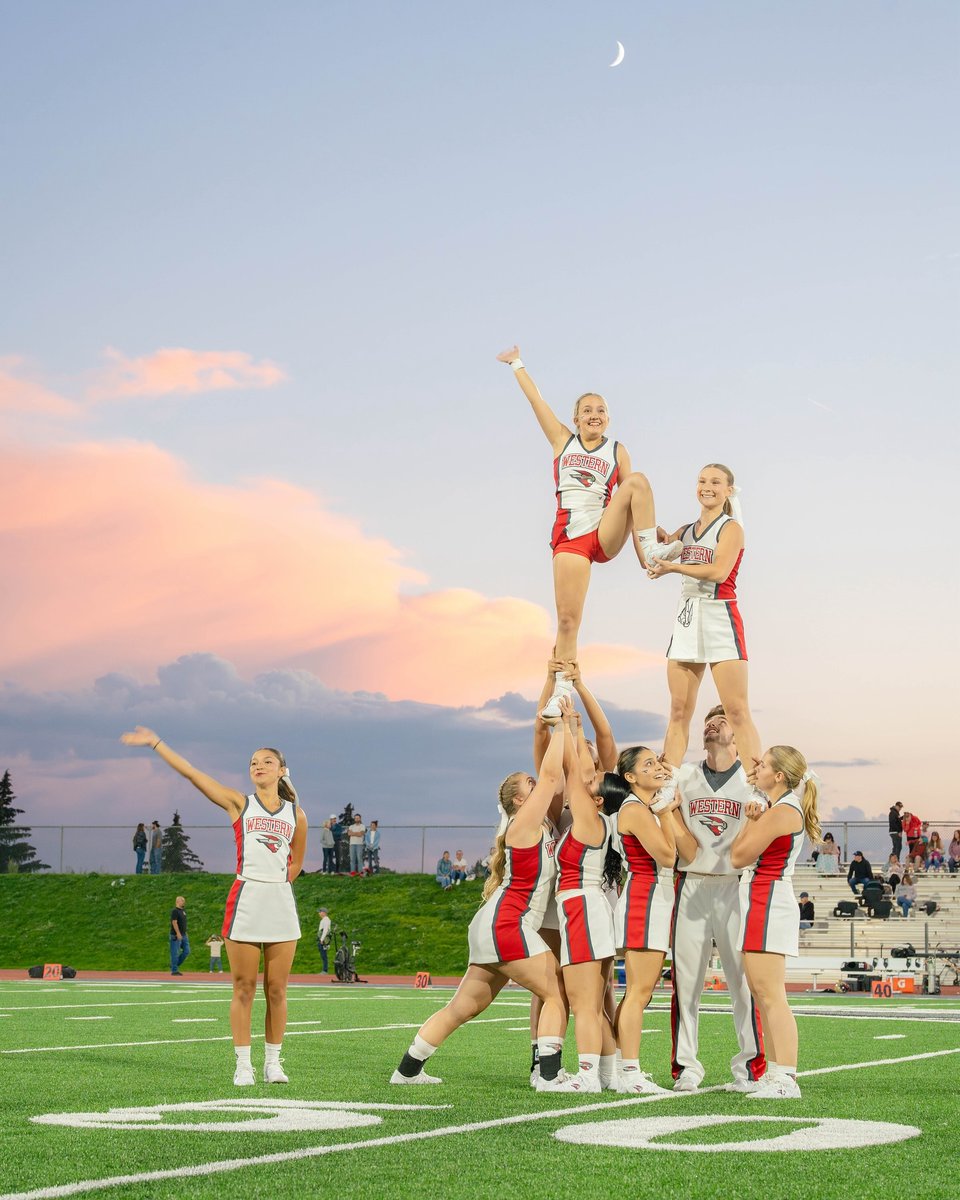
(176,853)
(16,853)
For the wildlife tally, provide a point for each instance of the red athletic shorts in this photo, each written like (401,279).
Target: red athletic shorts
(587,545)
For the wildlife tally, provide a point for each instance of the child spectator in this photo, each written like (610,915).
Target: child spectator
(371,848)
(215,942)
(935,852)
(328,845)
(892,871)
(906,894)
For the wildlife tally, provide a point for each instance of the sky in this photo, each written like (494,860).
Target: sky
(263,480)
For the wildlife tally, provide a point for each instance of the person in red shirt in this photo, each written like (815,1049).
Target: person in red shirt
(912,829)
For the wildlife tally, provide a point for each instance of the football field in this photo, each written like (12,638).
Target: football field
(125,1090)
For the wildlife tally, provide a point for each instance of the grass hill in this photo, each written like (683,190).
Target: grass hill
(93,922)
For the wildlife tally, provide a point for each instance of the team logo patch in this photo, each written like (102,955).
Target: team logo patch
(716,825)
(271,841)
(587,478)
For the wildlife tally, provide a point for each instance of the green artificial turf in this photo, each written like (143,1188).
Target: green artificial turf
(342,1045)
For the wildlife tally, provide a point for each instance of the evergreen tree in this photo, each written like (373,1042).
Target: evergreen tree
(176,854)
(16,853)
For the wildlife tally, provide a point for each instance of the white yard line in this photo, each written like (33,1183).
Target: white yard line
(226,1038)
(237,1164)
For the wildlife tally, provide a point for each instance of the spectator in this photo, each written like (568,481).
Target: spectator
(445,871)
(323,937)
(859,872)
(892,871)
(935,852)
(371,848)
(156,848)
(806,911)
(215,942)
(329,847)
(895,823)
(953,861)
(827,856)
(912,828)
(140,847)
(179,942)
(356,834)
(906,894)
(459,868)
(341,855)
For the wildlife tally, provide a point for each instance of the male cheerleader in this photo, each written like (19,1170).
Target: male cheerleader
(714,795)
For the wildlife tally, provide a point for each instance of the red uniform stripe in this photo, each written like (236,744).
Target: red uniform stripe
(579,945)
(230,913)
(758,915)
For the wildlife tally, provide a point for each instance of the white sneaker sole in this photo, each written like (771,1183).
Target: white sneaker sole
(422,1077)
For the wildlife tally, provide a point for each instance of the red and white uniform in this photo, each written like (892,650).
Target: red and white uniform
(645,906)
(708,627)
(585,480)
(769,913)
(586,919)
(505,928)
(260,906)
(706,911)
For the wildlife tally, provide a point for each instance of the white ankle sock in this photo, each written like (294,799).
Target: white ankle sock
(629,1066)
(271,1052)
(243,1055)
(421,1049)
(589,1063)
(608,1068)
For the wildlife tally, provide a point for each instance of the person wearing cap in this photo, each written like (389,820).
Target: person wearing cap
(328,846)
(323,937)
(806,911)
(859,872)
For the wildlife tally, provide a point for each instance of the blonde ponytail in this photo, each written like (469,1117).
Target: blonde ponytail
(791,763)
(506,795)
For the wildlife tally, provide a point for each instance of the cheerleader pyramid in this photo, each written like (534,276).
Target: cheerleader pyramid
(633,852)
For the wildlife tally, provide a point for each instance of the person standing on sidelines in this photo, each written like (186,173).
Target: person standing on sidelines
(593,521)
(770,844)
(715,798)
(708,630)
(323,937)
(140,846)
(271,838)
(371,848)
(179,942)
(503,938)
(895,825)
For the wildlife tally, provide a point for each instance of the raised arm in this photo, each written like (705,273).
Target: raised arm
(602,733)
(587,826)
(729,545)
(226,797)
(525,827)
(541,731)
(557,433)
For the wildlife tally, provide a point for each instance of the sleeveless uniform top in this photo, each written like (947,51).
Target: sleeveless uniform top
(580,865)
(701,551)
(263,841)
(527,885)
(780,857)
(585,480)
(714,810)
(638,860)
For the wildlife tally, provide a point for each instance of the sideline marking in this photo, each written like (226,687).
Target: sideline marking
(88,1018)
(173,1020)
(888,1037)
(236,1164)
(228,1037)
(816,1133)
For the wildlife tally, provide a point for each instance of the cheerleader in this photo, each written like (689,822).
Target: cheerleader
(271,836)
(708,628)
(593,522)
(586,920)
(503,938)
(770,844)
(642,920)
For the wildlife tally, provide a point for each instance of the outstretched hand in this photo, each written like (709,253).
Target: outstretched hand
(509,356)
(141,736)
(656,567)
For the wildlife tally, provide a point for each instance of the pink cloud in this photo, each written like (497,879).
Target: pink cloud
(177,370)
(117,559)
(21,395)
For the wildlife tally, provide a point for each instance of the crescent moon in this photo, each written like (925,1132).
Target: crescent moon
(620,53)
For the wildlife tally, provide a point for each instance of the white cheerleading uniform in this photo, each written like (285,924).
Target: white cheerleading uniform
(584,480)
(586,919)
(645,906)
(708,627)
(769,913)
(506,927)
(707,911)
(551,917)
(260,906)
